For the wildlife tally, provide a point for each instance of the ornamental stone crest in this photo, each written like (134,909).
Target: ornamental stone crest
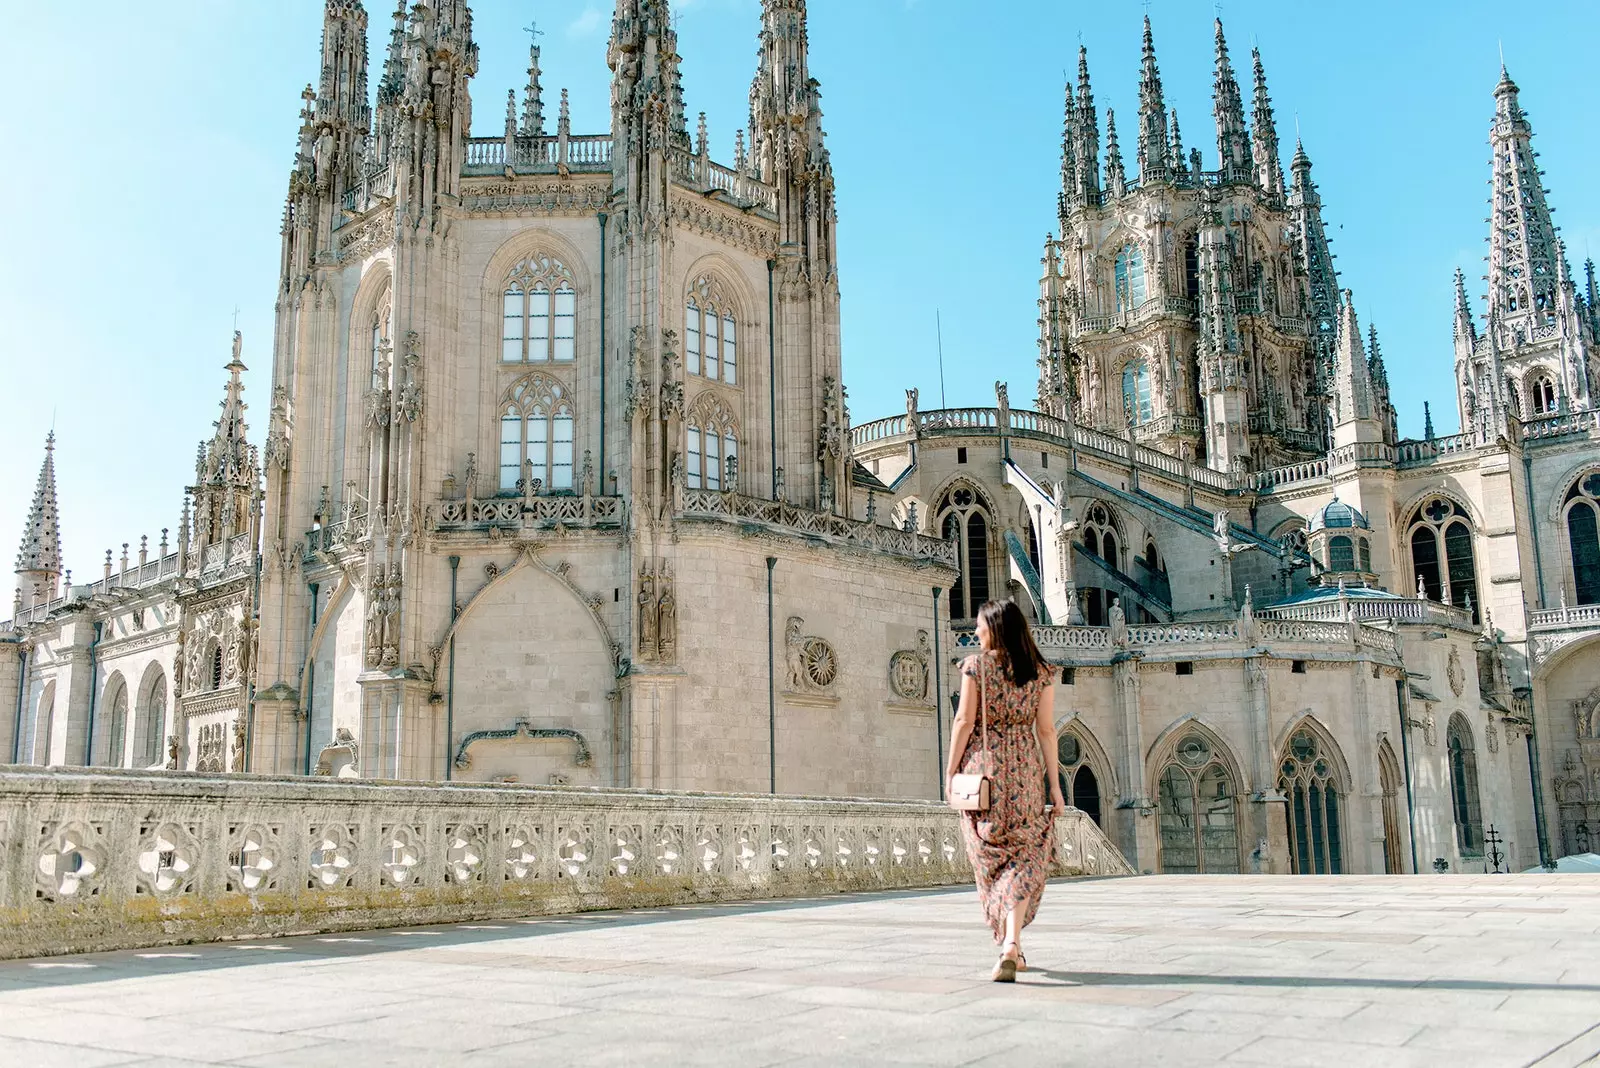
(813,665)
(1454,673)
(908,671)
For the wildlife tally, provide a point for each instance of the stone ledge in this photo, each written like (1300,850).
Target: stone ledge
(96,859)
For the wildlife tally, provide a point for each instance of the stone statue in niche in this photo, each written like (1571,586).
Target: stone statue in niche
(239,732)
(174,752)
(1119,623)
(649,618)
(825,494)
(667,622)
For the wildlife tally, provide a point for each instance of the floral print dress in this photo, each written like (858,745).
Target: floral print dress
(1010,845)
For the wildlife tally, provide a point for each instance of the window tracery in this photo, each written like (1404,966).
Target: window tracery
(152,719)
(1308,777)
(539,313)
(1101,534)
(1542,394)
(1199,823)
(1080,786)
(711,333)
(1130,278)
(1443,564)
(378,343)
(1137,406)
(1582,508)
(536,435)
(963,517)
(712,439)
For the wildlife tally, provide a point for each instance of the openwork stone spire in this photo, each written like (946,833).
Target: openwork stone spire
(533,98)
(1264,148)
(1153,161)
(1352,375)
(39,558)
(1522,245)
(1233,138)
(1088,132)
(1322,281)
(227,474)
(1116,176)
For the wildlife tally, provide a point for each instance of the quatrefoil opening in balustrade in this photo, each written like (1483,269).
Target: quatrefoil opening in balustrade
(463,854)
(522,854)
(744,850)
(626,844)
(574,850)
(669,859)
(402,856)
(168,855)
(70,863)
(253,865)
(708,849)
(780,849)
(333,858)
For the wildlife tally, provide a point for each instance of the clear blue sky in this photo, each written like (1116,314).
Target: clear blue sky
(149,156)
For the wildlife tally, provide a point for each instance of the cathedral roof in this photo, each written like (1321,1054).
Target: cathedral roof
(1338,514)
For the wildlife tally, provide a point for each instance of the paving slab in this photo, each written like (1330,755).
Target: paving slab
(1385,971)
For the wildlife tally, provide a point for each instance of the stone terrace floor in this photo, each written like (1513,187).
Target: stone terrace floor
(1453,970)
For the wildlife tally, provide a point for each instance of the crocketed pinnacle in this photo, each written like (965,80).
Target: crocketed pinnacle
(41,536)
(1233,138)
(1088,129)
(1522,244)
(1116,177)
(1269,171)
(1152,112)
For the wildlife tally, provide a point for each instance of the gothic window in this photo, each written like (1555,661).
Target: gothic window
(1464,803)
(1130,278)
(1583,537)
(1199,824)
(1191,267)
(1136,404)
(1080,787)
(963,518)
(1100,535)
(152,720)
(1442,558)
(536,434)
(42,723)
(1364,547)
(713,446)
(1341,554)
(1309,782)
(1542,394)
(711,333)
(216,666)
(378,340)
(1094,605)
(116,721)
(1514,398)
(539,313)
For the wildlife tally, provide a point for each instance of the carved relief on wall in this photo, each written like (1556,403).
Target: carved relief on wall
(812,664)
(383,611)
(1454,673)
(908,671)
(211,748)
(657,625)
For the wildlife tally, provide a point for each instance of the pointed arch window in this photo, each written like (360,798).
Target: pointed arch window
(1389,784)
(1137,407)
(1309,782)
(964,519)
(1080,787)
(1130,278)
(1341,553)
(711,333)
(1583,537)
(1444,566)
(539,313)
(537,431)
(1542,394)
(1464,803)
(1199,830)
(117,722)
(1100,535)
(378,344)
(712,453)
(152,720)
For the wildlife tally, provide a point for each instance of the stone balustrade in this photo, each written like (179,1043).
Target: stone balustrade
(94,859)
(1364,609)
(1551,630)
(531,512)
(784,517)
(1295,638)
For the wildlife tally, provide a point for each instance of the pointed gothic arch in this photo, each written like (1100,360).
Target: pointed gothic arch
(1088,779)
(1315,779)
(1466,803)
(711,443)
(1198,786)
(114,705)
(1580,539)
(1389,786)
(964,514)
(150,718)
(537,433)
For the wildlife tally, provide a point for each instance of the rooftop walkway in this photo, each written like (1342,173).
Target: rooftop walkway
(1354,971)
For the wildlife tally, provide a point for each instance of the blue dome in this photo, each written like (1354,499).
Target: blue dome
(1338,514)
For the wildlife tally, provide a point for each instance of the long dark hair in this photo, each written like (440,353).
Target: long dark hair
(1019,656)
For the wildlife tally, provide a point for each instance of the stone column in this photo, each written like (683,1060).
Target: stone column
(1135,825)
(1267,815)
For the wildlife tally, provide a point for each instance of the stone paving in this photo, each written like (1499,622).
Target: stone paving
(1455,970)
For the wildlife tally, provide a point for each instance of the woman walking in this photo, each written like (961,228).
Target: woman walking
(1008,689)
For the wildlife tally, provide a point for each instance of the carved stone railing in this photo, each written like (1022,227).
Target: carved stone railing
(788,518)
(1362,609)
(1560,426)
(1551,630)
(1431,450)
(338,536)
(96,859)
(1289,474)
(137,577)
(546,154)
(703,176)
(527,512)
(1067,644)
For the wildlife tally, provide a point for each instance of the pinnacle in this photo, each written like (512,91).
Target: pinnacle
(41,536)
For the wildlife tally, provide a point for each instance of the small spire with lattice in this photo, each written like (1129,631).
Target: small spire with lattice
(39,558)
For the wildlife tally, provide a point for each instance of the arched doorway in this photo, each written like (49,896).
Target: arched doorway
(1199,808)
(1308,775)
(1389,784)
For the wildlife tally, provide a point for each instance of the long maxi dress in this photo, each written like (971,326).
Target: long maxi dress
(1011,844)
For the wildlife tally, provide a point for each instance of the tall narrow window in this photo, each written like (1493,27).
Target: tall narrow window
(539,313)
(1583,538)
(978,558)
(1425,559)
(1465,805)
(712,444)
(1130,278)
(537,434)
(117,732)
(1080,788)
(1442,556)
(1191,268)
(964,520)
(1309,782)
(1542,391)
(152,722)
(1461,569)
(1199,832)
(950,530)
(1341,554)
(1137,407)
(711,332)
(1389,784)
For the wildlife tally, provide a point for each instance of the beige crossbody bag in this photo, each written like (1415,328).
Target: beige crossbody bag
(970,793)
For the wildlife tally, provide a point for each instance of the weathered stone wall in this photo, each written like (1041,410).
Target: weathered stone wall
(93,860)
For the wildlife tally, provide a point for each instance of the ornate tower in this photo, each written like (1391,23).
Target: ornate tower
(39,558)
(227,479)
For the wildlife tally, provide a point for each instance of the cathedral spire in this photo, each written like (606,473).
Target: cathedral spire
(1427,422)
(1175,147)
(533,97)
(1233,138)
(1375,367)
(39,558)
(1465,326)
(1522,246)
(227,475)
(1322,282)
(1152,113)
(1355,414)
(1069,154)
(1116,176)
(1268,168)
(1088,132)
(343,117)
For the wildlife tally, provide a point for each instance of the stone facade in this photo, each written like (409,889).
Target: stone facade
(560,486)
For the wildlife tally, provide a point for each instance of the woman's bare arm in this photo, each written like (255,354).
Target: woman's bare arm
(961,733)
(1045,729)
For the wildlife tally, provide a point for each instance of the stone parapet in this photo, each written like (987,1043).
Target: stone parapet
(94,860)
